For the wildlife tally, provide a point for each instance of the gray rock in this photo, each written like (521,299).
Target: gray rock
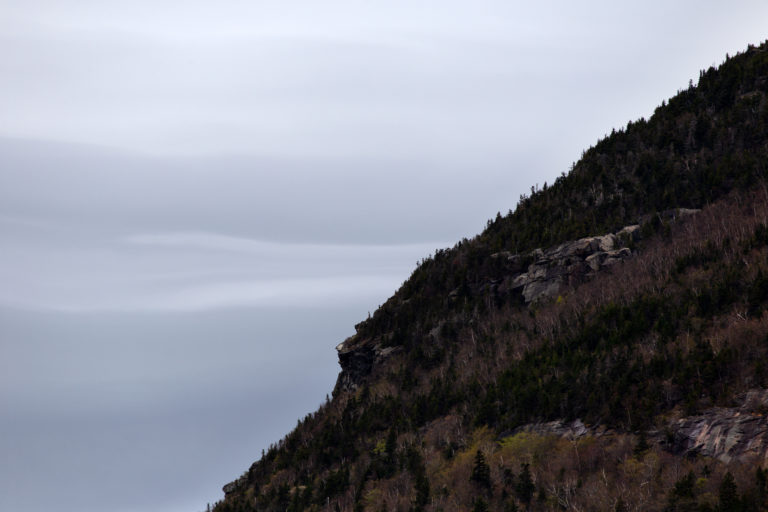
(565,264)
(571,430)
(235,485)
(607,242)
(357,359)
(727,434)
(541,289)
(595,261)
(629,232)
(613,257)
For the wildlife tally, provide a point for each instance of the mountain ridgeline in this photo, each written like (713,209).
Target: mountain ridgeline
(602,347)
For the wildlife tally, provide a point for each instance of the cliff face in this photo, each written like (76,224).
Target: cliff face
(538,366)
(729,434)
(357,359)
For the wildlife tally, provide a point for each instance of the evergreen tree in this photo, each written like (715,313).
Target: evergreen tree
(729,494)
(525,487)
(481,472)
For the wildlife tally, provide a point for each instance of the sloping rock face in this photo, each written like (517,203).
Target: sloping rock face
(729,434)
(726,434)
(570,430)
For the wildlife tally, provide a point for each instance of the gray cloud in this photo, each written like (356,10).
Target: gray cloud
(199,200)
(347,79)
(191,271)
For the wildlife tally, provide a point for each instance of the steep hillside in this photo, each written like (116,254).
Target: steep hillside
(604,346)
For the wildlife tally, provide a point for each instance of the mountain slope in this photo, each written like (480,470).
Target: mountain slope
(601,347)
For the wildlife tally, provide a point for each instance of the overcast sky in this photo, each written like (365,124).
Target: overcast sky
(198,200)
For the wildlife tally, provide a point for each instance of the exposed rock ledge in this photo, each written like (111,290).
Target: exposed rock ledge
(566,264)
(561,428)
(728,434)
(571,262)
(357,360)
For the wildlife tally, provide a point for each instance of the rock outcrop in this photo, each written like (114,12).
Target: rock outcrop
(235,485)
(567,264)
(729,434)
(357,360)
(568,429)
(570,262)
(726,434)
